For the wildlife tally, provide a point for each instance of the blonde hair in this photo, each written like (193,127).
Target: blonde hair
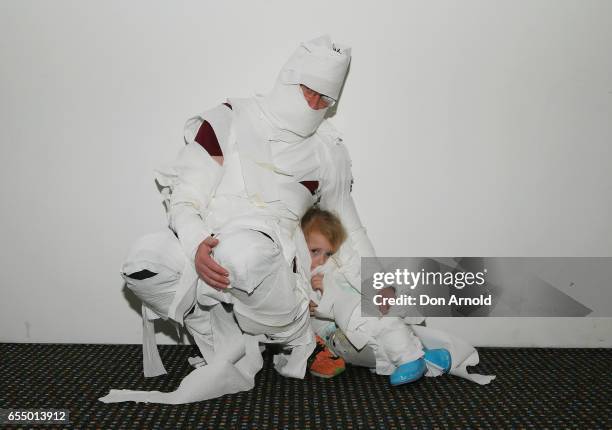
(326,223)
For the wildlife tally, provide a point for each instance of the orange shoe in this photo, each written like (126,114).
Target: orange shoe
(323,363)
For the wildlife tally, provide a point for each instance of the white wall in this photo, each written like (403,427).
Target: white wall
(476,128)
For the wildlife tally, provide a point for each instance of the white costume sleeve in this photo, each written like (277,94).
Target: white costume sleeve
(357,233)
(188,185)
(336,197)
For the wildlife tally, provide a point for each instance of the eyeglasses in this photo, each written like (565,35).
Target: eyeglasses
(329,102)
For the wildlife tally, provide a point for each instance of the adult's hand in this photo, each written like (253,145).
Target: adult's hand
(208,269)
(387,292)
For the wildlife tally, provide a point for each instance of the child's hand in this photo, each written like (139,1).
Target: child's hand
(317,282)
(388,292)
(312,307)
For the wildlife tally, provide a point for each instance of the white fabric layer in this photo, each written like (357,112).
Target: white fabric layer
(462,353)
(188,186)
(257,189)
(263,288)
(391,341)
(231,369)
(336,197)
(268,306)
(382,343)
(320,65)
(287,108)
(205,202)
(203,197)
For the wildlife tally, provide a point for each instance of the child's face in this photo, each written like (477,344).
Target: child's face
(320,248)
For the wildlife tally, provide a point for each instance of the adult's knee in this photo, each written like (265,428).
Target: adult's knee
(152,270)
(154,250)
(249,256)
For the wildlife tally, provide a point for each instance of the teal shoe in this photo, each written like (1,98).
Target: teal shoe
(439,357)
(408,372)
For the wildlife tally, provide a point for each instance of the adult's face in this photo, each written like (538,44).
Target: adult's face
(314,99)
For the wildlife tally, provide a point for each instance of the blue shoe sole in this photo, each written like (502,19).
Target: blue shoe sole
(439,357)
(408,372)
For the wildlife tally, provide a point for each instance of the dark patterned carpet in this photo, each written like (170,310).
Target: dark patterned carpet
(535,388)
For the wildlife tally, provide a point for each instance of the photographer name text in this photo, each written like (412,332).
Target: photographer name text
(426,300)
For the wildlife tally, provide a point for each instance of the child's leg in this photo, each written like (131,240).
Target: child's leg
(324,362)
(394,349)
(394,343)
(397,351)
(340,345)
(404,352)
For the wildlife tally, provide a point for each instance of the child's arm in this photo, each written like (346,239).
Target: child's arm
(336,197)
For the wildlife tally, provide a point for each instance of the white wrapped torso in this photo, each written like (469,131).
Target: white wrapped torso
(259,182)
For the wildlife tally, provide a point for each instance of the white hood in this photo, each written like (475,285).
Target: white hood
(321,66)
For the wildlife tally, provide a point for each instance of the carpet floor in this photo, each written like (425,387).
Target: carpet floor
(535,388)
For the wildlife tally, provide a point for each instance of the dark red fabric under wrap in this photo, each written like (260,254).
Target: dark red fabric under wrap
(311,185)
(207,138)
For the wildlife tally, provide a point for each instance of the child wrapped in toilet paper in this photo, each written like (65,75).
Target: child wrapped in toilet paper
(388,345)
